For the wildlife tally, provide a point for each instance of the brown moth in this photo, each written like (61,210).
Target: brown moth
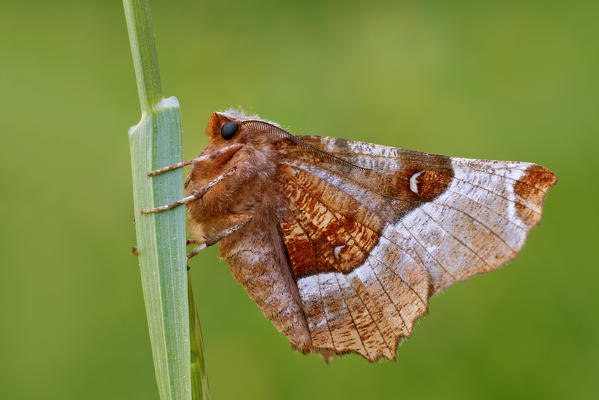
(341,243)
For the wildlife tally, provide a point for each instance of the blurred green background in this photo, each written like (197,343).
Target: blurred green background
(511,80)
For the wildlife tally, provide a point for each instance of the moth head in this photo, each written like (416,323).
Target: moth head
(252,137)
(240,143)
(234,126)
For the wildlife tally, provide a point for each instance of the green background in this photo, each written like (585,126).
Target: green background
(511,80)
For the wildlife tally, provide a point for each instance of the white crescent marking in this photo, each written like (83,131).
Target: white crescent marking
(337,251)
(414,182)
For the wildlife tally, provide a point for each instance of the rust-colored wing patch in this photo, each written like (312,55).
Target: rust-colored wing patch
(324,229)
(531,188)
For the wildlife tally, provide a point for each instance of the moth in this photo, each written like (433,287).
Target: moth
(342,243)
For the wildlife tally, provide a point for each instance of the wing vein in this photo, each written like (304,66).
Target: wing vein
(475,220)
(350,313)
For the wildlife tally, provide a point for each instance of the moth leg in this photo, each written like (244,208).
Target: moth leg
(171,167)
(195,195)
(212,240)
(199,159)
(195,252)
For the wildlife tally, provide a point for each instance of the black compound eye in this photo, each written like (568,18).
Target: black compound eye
(228,130)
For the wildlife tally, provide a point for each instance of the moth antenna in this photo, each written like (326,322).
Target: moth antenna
(279,132)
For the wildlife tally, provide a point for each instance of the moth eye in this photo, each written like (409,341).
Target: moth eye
(228,130)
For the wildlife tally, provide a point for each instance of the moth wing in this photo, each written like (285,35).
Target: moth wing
(257,261)
(369,243)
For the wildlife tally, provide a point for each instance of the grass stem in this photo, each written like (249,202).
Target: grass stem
(155,142)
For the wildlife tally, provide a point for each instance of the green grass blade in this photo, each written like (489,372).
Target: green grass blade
(154,143)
